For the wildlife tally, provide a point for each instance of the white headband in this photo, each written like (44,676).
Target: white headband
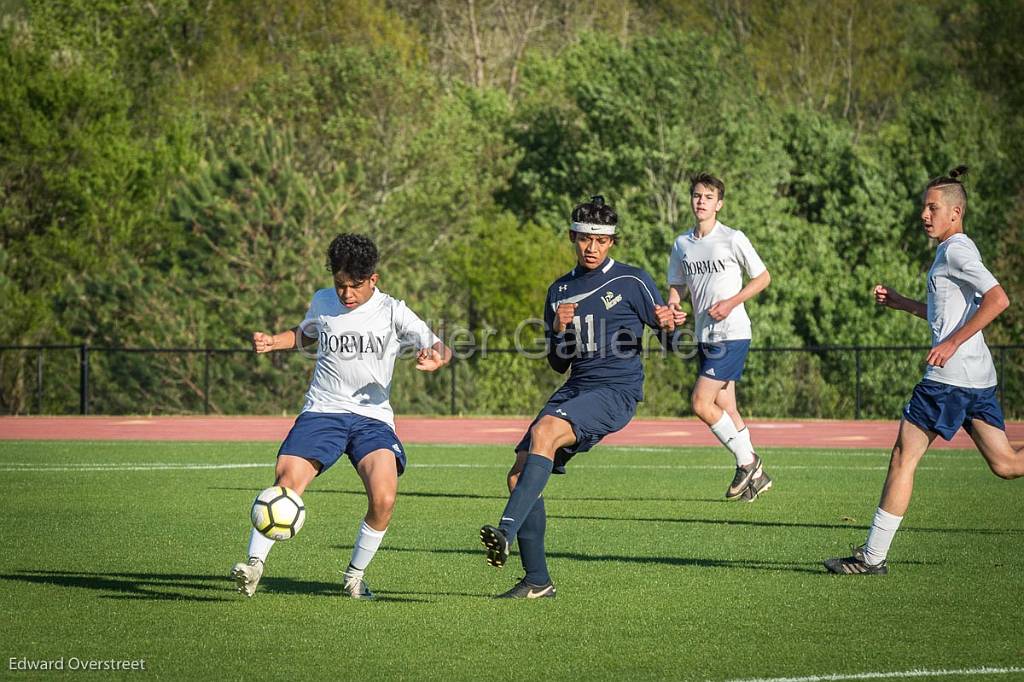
(591,228)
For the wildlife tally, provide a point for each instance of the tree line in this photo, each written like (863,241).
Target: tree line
(172,172)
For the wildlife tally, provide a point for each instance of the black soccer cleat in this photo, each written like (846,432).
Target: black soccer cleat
(497,545)
(525,590)
(855,565)
(758,484)
(744,475)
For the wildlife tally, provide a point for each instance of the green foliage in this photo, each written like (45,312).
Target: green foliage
(171,173)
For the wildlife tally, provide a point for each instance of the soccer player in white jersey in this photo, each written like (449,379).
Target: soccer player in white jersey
(959,384)
(360,331)
(709,261)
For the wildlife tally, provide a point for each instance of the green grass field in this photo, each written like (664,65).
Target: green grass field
(118,550)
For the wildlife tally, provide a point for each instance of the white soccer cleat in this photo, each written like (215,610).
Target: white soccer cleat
(247,576)
(354,586)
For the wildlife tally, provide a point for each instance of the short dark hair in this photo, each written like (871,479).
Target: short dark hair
(353,254)
(951,186)
(596,212)
(708,180)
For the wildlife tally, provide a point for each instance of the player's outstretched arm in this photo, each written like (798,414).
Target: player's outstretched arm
(994,302)
(890,298)
(264,343)
(433,358)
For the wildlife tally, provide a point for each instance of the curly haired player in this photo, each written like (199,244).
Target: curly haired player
(360,331)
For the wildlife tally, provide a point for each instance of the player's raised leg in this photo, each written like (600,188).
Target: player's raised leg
(994,446)
(870,558)
(292,472)
(379,473)
(547,435)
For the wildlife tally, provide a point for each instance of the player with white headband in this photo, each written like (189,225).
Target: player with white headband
(594,319)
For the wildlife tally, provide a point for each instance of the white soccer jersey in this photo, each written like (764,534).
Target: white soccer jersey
(956,282)
(710,266)
(357,350)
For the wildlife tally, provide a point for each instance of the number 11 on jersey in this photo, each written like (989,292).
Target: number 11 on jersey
(590,345)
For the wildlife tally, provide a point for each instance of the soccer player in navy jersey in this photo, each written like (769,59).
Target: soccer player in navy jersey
(594,319)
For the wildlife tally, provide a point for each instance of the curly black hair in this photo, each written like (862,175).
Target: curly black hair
(595,212)
(353,254)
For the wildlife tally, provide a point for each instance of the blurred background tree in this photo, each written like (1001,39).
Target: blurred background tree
(172,170)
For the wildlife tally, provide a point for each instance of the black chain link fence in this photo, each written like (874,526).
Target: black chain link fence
(836,382)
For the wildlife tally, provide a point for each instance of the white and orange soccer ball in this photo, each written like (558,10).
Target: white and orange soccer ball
(278,513)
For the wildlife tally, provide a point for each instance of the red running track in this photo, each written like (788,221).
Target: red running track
(489,431)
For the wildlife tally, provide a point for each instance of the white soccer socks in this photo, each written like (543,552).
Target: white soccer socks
(738,442)
(367,542)
(259,545)
(883,530)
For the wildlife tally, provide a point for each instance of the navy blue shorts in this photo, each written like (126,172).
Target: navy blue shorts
(723,360)
(326,436)
(593,413)
(944,409)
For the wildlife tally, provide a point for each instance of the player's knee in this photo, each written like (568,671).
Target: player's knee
(546,431)
(289,479)
(903,460)
(382,504)
(1004,468)
(702,407)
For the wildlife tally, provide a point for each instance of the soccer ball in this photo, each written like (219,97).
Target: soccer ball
(278,513)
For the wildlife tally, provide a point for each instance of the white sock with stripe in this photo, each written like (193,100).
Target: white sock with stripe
(367,542)
(744,448)
(883,530)
(725,430)
(259,545)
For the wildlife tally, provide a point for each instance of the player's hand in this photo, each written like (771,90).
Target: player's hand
(940,354)
(719,311)
(666,317)
(262,343)
(563,316)
(429,360)
(678,314)
(886,296)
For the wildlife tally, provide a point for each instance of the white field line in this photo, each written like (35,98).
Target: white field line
(884,675)
(669,449)
(27,467)
(19,467)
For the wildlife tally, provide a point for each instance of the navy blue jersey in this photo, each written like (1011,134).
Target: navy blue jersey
(602,345)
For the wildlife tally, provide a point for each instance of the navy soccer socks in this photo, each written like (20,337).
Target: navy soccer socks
(531,545)
(531,484)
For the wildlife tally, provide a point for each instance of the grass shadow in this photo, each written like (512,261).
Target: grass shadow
(151,586)
(174,586)
(784,524)
(796,567)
